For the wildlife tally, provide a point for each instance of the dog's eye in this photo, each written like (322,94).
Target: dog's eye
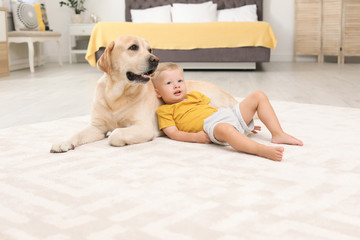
(133,47)
(150,50)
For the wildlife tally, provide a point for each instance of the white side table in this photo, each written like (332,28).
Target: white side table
(31,37)
(78,35)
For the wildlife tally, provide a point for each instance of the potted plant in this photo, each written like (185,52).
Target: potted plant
(78,6)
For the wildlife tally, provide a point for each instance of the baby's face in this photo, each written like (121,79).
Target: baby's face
(171,86)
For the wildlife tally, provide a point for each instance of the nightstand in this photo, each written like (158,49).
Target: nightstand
(79,35)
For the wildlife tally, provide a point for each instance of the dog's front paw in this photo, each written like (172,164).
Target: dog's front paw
(62,147)
(116,139)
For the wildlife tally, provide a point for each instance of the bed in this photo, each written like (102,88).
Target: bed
(204,45)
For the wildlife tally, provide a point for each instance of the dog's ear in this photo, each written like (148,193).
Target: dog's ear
(104,63)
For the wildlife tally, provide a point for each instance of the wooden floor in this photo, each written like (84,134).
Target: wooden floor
(54,92)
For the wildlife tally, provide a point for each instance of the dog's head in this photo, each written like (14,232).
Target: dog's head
(128,57)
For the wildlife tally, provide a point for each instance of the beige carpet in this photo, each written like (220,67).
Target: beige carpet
(171,190)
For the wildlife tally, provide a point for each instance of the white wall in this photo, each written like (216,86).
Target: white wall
(279,13)
(60,18)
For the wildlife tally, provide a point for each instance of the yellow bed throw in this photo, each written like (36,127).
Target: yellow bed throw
(184,36)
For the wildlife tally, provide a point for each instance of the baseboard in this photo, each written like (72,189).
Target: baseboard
(290,58)
(23,63)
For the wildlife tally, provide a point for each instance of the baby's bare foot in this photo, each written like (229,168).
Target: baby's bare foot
(285,138)
(273,153)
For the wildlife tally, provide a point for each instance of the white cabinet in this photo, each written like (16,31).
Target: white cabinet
(79,35)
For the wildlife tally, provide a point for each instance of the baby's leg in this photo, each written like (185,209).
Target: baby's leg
(258,102)
(224,132)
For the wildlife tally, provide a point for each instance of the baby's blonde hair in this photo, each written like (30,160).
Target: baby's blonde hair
(163,67)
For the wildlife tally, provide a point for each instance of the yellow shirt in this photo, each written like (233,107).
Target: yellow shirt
(188,115)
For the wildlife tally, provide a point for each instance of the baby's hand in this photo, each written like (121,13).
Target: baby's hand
(256,129)
(202,137)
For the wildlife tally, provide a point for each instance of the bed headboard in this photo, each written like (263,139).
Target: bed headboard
(222,4)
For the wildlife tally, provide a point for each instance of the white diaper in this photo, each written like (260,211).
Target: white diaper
(230,116)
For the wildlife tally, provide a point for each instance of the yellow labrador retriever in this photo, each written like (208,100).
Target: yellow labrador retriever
(125,100)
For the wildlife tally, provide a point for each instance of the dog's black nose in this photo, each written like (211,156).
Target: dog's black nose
(153,60)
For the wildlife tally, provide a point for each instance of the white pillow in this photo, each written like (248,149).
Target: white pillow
(160,14)
(193,13)
(24,16)
(241,14)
